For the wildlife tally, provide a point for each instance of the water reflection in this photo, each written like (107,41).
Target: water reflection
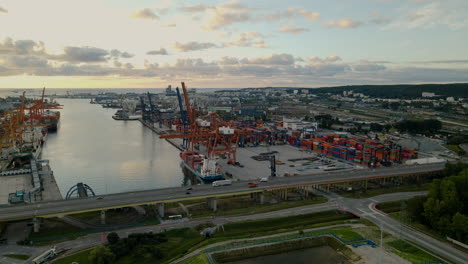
(110,156)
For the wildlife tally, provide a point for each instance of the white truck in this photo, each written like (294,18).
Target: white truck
(222,183)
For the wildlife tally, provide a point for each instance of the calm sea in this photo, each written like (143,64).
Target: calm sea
(110,156)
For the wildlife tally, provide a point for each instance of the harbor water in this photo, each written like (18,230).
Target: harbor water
(110,156)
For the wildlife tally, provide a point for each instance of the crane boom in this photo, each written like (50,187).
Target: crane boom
(183,113)
(187,104)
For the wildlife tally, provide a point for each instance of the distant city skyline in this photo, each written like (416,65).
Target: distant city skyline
(231,44)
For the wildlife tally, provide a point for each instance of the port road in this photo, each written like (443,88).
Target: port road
(64,207)
(362,207)
(366,209)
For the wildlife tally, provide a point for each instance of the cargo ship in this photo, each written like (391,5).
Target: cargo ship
(205,168)
(124,115)
(52,120)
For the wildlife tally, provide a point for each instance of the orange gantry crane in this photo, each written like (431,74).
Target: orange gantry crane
(210,131)
(11,127)
(37,111)
(13,123)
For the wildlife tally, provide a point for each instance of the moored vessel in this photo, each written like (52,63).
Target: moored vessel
(203,167)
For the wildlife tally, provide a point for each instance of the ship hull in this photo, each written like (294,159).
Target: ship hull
(201,177)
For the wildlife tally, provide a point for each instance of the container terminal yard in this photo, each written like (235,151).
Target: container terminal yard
(255,155)
(212,147)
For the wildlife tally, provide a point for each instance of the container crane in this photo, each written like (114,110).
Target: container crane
(155,113)
(211,131)
(144,111)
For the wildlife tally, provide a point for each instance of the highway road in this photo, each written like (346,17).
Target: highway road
(366,209)
(63,207)
(362,207)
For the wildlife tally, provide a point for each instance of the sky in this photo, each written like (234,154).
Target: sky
(231,44)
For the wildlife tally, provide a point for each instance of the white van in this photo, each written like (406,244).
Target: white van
(222,183)
(264,179)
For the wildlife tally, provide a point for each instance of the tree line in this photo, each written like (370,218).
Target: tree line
(139,246)
(445,208)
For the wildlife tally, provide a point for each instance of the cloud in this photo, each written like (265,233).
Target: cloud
(275,59)
(21,47)
(226,14)
(447,13)
(291,28)
(343,23)
(326,60)
(29,58)
(380,20)
(309,15)
(120,54)
(3,10)
(247,39)
(194,8)
(375,17)
(145,13)
(193,45)
(442,62)
(88,55)
(9,47)
(292,13)
(82,54)
(25,62)
(228,61)
(161,51)
(368,67)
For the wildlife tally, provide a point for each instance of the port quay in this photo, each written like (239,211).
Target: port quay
(160,150)
(315,159)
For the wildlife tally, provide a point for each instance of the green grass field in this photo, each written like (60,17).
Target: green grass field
(17,256)
(455,148)
(347,234)
(375,192)
(81,258)
(410,252)
(198,259)
(55,229)
(282,223)
(182,241)
(257,208)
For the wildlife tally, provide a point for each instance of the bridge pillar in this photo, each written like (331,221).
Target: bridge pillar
(328,187)
(161,210)
(36,224)
(365,185)
(262,198)
(103,217)
(212,203)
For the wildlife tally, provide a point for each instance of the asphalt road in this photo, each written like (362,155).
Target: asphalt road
(362,207)
(63,207)
(397,229)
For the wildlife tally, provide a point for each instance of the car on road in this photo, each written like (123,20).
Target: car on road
(187,193)
(252,184)
(265,179)
(99,198)
(189,188)
(221,183)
